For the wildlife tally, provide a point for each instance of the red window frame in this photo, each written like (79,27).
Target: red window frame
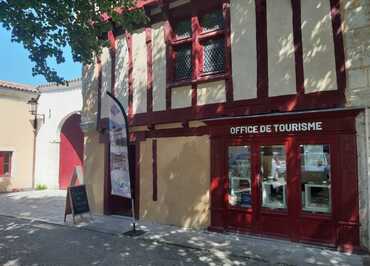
(3,156)
(194,12)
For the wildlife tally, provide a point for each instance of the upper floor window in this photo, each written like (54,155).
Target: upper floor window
(197,46)
(5,163)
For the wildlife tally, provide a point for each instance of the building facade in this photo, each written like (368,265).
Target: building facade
(17,136)
(59,142)
(245,116)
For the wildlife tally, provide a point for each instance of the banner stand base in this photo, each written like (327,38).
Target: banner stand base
(134,233)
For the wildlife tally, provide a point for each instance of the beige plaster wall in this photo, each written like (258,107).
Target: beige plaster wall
(90,83)
(168,126)
(121,71)
(183,191)
(94,171)
(211,92)
(139,73)
(318,46)
(243,48)
(181,97)
(17,136)
(159,67)
(281,62)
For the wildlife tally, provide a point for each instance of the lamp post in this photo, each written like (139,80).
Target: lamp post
(33,111)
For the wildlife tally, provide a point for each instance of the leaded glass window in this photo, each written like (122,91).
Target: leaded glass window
(212,21)
(214,56)
(183,63)
(183,29)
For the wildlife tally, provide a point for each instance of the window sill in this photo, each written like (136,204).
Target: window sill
(202,79)
(211,34)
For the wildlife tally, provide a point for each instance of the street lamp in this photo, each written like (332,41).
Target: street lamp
(33,109)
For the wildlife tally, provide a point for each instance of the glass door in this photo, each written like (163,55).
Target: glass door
(273,176)
(240,184)
(274,188)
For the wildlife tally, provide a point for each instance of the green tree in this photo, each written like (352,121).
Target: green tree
(45,27)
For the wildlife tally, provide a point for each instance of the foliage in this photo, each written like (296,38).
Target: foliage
(45,27)
(41,187)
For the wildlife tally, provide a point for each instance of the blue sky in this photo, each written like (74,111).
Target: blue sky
(17,67)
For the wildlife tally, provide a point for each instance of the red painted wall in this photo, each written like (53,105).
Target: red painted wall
(71,149)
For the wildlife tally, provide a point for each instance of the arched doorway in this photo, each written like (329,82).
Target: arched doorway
(71,149)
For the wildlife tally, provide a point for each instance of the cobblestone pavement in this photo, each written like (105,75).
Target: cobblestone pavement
(24,242)
(48,206)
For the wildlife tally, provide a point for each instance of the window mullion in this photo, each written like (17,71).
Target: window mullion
(196,48)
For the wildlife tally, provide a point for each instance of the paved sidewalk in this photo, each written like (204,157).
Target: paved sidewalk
(48,206)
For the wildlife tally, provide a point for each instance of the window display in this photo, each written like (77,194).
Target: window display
(240,176)
(273,173)
(315,178)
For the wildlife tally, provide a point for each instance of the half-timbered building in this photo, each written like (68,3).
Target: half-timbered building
(244,116)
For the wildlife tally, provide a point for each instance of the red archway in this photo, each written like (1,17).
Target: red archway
(71,149)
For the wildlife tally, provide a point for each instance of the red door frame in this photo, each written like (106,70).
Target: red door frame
(71,149)
(340,228)
(2,159)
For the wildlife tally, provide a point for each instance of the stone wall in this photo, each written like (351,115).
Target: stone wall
(356,27)
(356,17)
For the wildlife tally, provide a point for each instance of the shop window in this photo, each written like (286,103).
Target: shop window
(273,173)
(240,176)
(315,178)
(5,163)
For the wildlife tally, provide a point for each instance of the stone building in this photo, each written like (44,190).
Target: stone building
(17,136)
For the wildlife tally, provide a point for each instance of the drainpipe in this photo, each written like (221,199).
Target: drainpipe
(34,151)
(367,172)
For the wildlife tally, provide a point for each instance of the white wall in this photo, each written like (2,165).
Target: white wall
(318,47)
(159,68)
(57,105)
(243,49)
(281,63)
(121,86)
(139,72)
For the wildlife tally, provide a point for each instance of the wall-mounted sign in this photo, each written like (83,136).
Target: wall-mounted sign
(277,128)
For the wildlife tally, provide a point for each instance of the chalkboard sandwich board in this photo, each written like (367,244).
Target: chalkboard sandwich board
(77,202)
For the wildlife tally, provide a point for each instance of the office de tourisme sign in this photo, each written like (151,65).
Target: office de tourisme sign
(277,128)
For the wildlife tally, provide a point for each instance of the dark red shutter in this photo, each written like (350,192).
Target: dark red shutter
(2,154)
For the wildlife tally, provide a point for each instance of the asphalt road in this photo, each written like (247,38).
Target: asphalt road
(23,242)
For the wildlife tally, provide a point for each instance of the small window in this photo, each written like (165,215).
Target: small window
(183,65)
(5,163)
(212,21)
(214,56)
(183,29)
